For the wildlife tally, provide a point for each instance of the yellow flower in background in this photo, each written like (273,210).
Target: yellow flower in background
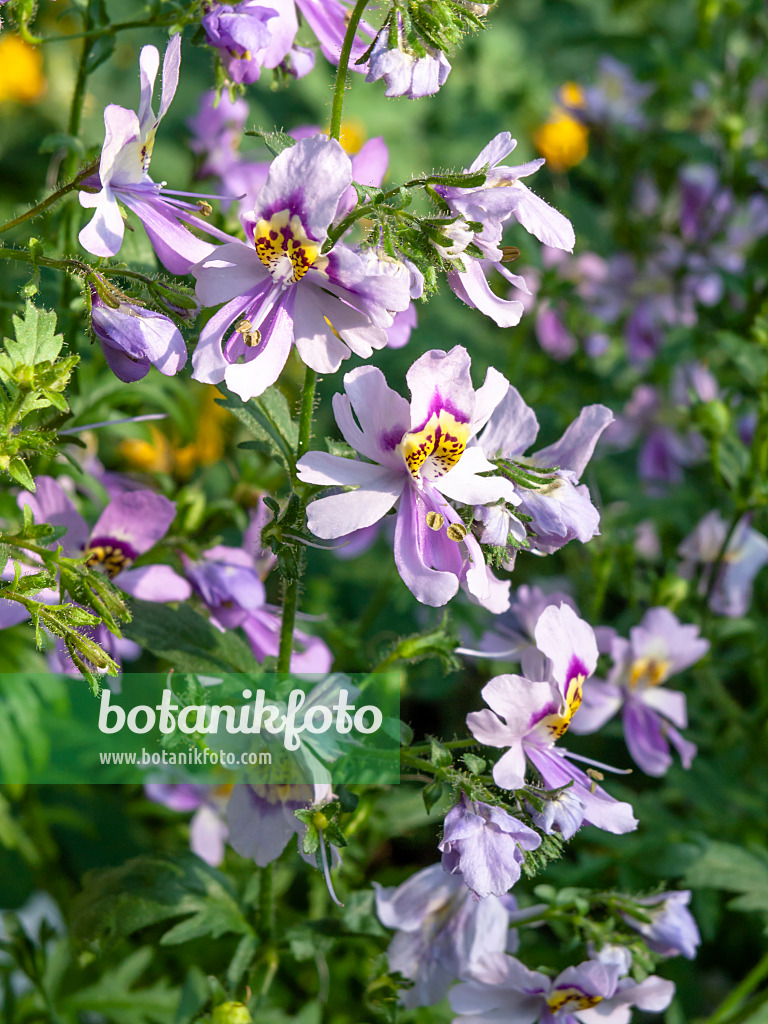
(562,139)
(352,136)
(21,70)
(162,456)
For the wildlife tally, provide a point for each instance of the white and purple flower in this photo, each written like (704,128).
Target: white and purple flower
(442,931)
(484,845)
(529,713)
(502,988)
(124,177)
(671,930)
(134,338)
(420,457)
(744,555)
(280,288)
(405,72)
(659,647)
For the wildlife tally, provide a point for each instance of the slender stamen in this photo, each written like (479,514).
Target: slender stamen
(327,870)
(596,764)
(112,423)
(507,653)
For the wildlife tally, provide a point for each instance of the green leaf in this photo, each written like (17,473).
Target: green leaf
(733,869)
(275,141)
(116,902)
(36,338)
(19,470)
(438,755)
(474,763)
(268,419)
(114,998)
(186,639)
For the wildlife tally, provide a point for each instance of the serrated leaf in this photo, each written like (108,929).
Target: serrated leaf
(733,869)
(36,338)
(474,763)
(114,998)
(269,421)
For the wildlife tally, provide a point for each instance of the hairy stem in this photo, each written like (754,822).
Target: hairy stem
(341,72)
(54,197)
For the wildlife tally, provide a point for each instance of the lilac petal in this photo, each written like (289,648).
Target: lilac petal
(125,367)
(176,247)
(645,739)
(207,834)
(229,271)
(591,977)
(669,703)
(575,448)
(121,153)
(49,504)
(382,414)
(141,334)
(540,219)
(341,514)
(488,728)
(404,907)
(149,64)
(520,702)
(308,179)
(462,482)
(600,703)
(512,428)
(264,363)
(154,583)
(601,809)
(183,796)
(568,641)
(474,291)
(208,361)
(441,380)
(328,470)
(660,635)
(317,345)
(258,828)
(492,154)
(355,328)
(171,62)
(416,551)
(139,518)
(652,995)
(103,234)
(685,749)
(487,398)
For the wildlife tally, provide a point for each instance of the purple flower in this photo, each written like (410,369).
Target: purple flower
(485,846)
(405,72)
(529,713)
(124,176)
(672,930)
(614,99)
(442,930)
(564,813)
(229,582)
(560,508)
(280,288)
(216,130)
(745,555)
(208,829)
(131,524)
(502,988)
(657,648)
(512,631)
(261,821)
(420,457)
(238,32)
(552,334)
(502,197)
(134,338)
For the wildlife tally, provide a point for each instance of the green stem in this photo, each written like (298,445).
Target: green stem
(109,30)
(78,96)
(305,413)
(732,1002)
(290,605)
(424,748)
(341,72)
(717,564)
(54,197)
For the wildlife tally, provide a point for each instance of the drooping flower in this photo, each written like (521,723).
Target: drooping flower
(657,648)
(529,713)
(280,288)
(239,32)
(406,72)
(229,580)
(672,930)
(560,507)
(745,554)
(502,988)
(419,460)
(484,845)
(124,176)
(442,930)
(563,813)
(134,338)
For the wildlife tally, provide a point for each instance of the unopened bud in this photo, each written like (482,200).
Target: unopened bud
(435,520)
(231,1013)
(457,532)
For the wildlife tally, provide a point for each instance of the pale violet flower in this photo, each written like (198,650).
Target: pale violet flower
(280,288)
(745,555)
(527,714)
(672,930)
(405,72)
(134,338)
(419,458)
(124,176)
(658,647)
